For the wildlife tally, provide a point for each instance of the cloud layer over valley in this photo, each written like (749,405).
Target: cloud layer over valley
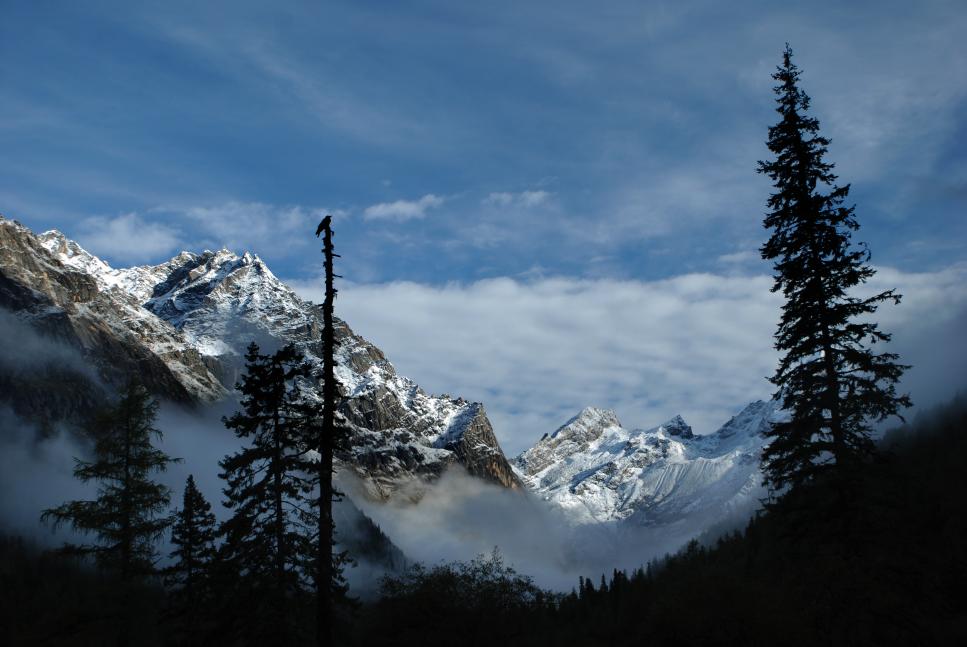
(700,345)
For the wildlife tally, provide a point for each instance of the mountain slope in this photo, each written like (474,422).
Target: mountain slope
(115,335)
(183,326)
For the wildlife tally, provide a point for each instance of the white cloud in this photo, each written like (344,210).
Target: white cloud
(524,198)
(256,226)
(501,199)
(533,198)
(267,229)
(127,238)
(403,210)
(537,352)
(740,258)
(720,191)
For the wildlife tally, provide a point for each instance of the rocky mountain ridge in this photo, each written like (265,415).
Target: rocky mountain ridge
(183,325)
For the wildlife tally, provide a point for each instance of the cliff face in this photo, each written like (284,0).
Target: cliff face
(477,449)
(182,327)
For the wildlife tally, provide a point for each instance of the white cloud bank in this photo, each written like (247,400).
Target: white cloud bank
(699,345)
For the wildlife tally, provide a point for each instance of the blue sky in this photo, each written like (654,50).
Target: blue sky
(467,146)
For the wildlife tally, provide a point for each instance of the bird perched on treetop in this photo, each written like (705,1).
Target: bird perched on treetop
(322,225)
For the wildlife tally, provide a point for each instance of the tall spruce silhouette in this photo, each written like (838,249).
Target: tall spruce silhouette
(330,585)
(129,515)
(267,540)
(829,378)
(189,577)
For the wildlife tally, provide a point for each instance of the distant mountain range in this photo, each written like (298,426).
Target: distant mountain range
(599,473)
(182,327)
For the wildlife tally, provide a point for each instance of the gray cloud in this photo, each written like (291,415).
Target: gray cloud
(36,469)
(459,517)
(36,473)
(25,350)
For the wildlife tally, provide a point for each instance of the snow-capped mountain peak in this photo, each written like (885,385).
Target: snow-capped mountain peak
(73,255)
(597,471)
(183,326)
(573,437)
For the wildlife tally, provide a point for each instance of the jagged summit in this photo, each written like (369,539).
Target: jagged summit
(589,423)
(183,326)
(677,427)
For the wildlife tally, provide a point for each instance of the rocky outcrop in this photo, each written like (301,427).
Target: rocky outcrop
(476,448)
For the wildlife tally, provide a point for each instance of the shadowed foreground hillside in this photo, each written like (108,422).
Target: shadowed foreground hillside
(883,565)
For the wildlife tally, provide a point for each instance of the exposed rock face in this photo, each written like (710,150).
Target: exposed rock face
(677,427)
(596,471)
(106,326)
(477,449)
(183,327)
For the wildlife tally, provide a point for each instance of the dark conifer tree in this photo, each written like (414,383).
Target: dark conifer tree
(267,540)
(193,536)
(829,378)
(129,514)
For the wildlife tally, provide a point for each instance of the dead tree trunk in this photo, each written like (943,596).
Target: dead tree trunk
(324,557)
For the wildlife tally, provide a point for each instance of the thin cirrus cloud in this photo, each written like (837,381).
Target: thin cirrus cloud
(403,210)
(651,132)
(699,345)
